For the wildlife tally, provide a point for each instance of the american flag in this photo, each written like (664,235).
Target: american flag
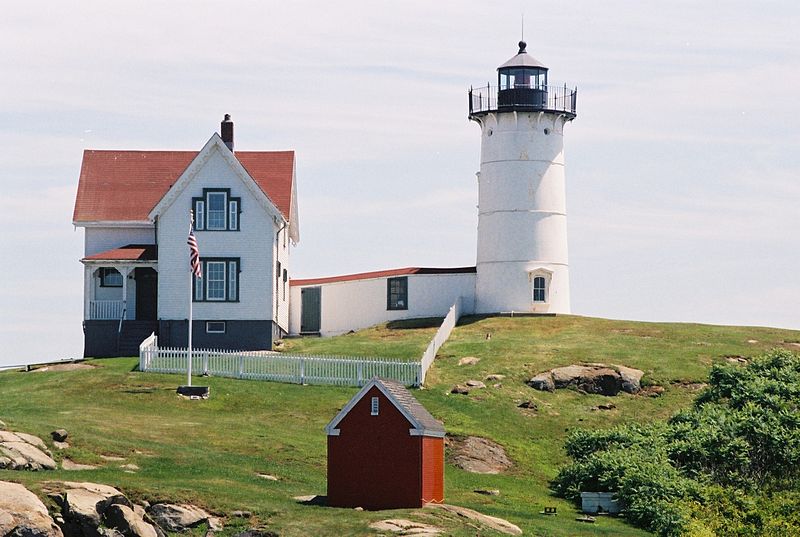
(194,251)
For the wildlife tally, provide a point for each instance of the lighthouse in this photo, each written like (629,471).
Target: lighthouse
(522,262)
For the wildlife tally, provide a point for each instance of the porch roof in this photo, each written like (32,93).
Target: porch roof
(130,252)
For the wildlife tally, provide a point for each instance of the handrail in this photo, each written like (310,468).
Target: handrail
(122,318)
(549,98)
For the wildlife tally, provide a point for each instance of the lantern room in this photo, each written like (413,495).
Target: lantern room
(522,81)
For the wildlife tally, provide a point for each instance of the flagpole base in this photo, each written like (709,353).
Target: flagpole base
(194,392)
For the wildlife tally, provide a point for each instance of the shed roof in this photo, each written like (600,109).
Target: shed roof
(421,420)
(382,274)
(124,186)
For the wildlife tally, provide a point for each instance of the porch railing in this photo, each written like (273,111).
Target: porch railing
(106,309)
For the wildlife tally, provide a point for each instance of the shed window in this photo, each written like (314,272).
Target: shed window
(375,406)
(539,288)
(397,291)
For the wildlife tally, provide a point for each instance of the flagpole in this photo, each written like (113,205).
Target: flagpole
(191,297)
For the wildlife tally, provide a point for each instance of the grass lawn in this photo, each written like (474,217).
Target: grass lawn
(210,452)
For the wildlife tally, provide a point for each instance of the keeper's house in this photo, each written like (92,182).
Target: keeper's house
(135,206)
(385,451)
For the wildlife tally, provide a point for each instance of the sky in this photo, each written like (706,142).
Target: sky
(683,169)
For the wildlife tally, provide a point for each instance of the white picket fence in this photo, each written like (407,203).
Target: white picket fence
(292,368)
(281,367)
(441,336)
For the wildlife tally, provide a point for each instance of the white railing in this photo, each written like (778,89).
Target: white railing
(267,365)
(292,368)
(106,309)
(438,340)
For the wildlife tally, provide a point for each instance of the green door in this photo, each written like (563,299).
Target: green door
(311,310)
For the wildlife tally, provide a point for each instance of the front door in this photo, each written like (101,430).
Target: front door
(146,294)
(311,310)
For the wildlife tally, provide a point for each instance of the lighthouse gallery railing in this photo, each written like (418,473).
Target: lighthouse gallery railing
(552,98)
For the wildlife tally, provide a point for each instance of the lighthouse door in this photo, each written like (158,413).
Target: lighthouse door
(310,310)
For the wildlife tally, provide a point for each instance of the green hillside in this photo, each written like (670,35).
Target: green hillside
(210,452)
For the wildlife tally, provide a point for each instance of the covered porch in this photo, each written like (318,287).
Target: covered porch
(121,284)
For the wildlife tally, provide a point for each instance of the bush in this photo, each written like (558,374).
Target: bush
(728,466)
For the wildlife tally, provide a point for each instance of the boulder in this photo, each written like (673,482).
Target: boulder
(568,375)
(33,457)
(477,384)
(460,389)
(590,378)
(175,518)
(59,435)
(84,503)
(256,533)
(478,455)
(528,404)
(22,514)
(631,378)
(469,360)
(543,382)
(125,520)
(495,377)
(488,492)
(602,381)
(32,440)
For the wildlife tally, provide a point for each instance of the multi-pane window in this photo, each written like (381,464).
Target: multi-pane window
(375,406)
(216,210)
(215,280)
(220,281)
(539,289)
(397,293)
(110,277)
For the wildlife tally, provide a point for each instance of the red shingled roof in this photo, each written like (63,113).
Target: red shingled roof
(126,185)
(383,274)
(131,252)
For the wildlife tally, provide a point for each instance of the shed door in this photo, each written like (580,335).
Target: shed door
(310,311)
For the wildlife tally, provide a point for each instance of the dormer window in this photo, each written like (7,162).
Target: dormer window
(216,210)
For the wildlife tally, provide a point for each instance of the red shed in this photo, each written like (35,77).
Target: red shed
(385,451)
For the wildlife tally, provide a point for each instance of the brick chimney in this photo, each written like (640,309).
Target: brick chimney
(226,129)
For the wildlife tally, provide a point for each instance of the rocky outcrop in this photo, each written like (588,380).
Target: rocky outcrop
(469,360)
(495,523)
(174,518)
(478,455)
(599,379)
(468,386)
(92,509)
(403,526)
(22,514)
(21,451)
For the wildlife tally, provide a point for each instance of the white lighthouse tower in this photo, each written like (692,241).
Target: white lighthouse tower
(522,261)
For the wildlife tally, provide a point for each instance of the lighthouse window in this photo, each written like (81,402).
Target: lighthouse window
(539,289)
(397,293)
